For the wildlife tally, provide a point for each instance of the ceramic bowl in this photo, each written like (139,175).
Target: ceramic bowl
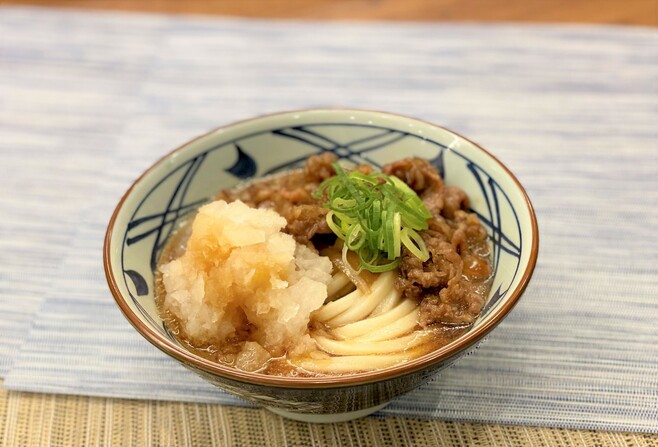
(174,187)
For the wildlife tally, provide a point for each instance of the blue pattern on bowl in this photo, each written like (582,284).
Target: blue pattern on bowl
(154,227)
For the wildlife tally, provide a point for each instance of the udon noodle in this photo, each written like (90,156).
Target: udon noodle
(259,281)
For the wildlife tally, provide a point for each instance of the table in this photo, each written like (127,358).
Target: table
(43,419)
(48,419)
(631,12)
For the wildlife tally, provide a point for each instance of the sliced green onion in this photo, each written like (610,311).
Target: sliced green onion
(379,268)
(414,243)
(331,221)
(397,223)
(375,215)
(355,238)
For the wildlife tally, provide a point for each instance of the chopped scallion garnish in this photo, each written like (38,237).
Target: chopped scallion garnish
(375,215)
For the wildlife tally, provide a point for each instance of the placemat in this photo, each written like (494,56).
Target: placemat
(64,420)
(94,99)
(67,89)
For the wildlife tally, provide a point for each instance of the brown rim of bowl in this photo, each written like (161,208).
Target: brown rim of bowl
(420,363)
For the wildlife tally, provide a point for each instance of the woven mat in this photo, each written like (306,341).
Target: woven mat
(41,419)
(89,100)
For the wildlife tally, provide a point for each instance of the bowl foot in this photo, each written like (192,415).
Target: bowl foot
(326,418)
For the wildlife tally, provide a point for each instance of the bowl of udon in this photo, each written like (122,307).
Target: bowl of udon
(320,263)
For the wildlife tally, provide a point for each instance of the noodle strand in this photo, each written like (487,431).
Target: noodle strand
(373,324)
(398,328)
(334,308)
(352,363)
(355,347)
(358,311)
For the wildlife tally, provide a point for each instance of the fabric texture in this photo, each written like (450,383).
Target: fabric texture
(42,419)
(90,100)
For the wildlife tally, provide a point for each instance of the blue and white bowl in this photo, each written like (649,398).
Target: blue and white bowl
(193,174)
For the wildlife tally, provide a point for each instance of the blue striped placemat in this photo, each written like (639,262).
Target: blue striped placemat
(89,100)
